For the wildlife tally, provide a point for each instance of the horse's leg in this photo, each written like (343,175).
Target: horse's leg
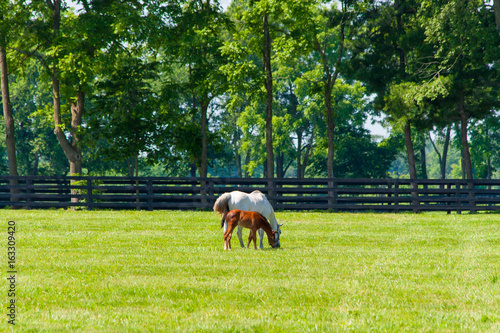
(225,235)
(240,236)
(226,240)
(261,236)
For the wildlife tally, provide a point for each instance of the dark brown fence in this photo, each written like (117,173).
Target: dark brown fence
(381,195)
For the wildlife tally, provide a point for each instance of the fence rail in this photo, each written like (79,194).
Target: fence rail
(151,193)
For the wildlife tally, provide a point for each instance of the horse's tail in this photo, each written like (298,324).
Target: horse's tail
(221,205)
(223,219)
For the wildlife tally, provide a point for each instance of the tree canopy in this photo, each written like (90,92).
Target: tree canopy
(261,88)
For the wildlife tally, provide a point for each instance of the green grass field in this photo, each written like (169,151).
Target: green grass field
(166,271)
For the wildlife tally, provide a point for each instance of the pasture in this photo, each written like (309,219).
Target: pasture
(166,271)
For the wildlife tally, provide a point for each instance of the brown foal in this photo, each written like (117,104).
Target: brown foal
(251,220)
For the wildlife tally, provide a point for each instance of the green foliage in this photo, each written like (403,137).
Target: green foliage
(3,153)
(485,147)
(149,71)
(37,149)
(357,156)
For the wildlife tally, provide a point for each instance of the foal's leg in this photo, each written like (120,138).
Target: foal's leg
(249,238)
(227,236)
(252,237)
(240,235)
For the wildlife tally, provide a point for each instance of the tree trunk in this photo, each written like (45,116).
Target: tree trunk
(307,154)
(71,150)
(269,99)
(71,154)
(329,83)
(331,132)
(299,153)
(204,155)
(77,109)
(445,152)
(442,157)
(247,161)
(34,171)
(10,140)
(496,6)
(410,151)
(411,164)
(193,170)
(237,155)
(423,159)
(130,167)
(467,164)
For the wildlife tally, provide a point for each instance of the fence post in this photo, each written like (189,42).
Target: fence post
(396,197)
(448,195)
(415,202)
(270,192)
(137,194)
(90,195)
(203,193)
(332,195)
(14,192)
(29,187)
(389,194)
(472,196)
(459,197)
(150,194)
(211,192)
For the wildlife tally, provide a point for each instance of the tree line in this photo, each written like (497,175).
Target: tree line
(269,88)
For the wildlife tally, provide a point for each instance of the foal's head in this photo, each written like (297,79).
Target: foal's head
(273,242)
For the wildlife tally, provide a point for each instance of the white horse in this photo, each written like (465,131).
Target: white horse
(253,202)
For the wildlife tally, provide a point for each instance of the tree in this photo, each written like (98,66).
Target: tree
(71,48)
(496,7)
(128,130)
(252,47)
(196,39)
(466,43)
(442,157)
(322,31)
(38,151)
(54,52)
(385,60)
(8,25)
(485,146)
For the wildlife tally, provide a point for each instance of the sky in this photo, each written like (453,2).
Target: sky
(225,3)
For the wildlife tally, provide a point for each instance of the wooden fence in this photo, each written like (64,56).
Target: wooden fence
(149,193)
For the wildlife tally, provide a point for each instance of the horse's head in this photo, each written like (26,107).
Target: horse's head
(277,235)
